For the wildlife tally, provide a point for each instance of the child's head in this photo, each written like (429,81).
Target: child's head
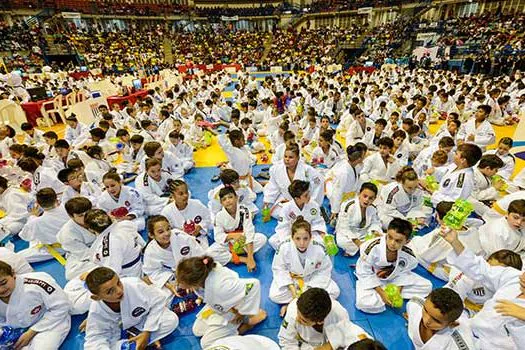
(70,178)
(230,177)
(504,146)
(77,165)
(177,125)
(442,308)
(47,198)
(176,138)
(301,234)
(453,126)
(467,155)
(228,198)
(112,183)
(291,155)
(154,168)
(95,152)
(385,145)
(313,306)
(326,138)
(159,230)
(446,144)
(97,220)
(154,149)
(355,154)
(62,148)
(192,272)
(136,142)
(380,125)
(288,137)
(28,164)
(489,164)
(482,112)
(246,123)
(505,257)
(407,177)
(105,285)
(123,135)
(236,138)
(406,124)
(367,194)
(50,137)
(367,344)
(28,128)
(16,150)
(442,208)
(516,214)
(325,122)
(72,121)
(399,137)
(398,234)
(97,134)
(7,280)
(179,193)
(439,158)
(394,118)
(77,207)
(300,191)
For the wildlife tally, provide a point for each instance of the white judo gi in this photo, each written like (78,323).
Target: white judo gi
(374,168)
(356,132)
(457,338)
(351,225)
(492,330)
(455,184)
(311,212)
(19,264)
(246,198)
(224,290)
(483,191)
(497,234)
(195,213)
(244,342)
(310,269)
(13,202)
(141,307)
(153,192)
(276,190)
(87,189)
(46,177)
(129,198)
(170,163)
(38,302)
(338,330)
(395,202)
(373,260)
(342,184)
(224,224)
(484,134)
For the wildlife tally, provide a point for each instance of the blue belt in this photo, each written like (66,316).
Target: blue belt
(130,264)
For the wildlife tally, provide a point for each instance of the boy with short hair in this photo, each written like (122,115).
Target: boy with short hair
(123,304)
(458,181)
(433,322)
(387,260)
(485,189)
(316,321)
(76,186)
(381,165)
(423,161)
(13,204)
(180,149)
(478,130)
(33,137)
(371,138)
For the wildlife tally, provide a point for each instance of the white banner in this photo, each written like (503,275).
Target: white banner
(276,69)
(421,51)
(364,10)
(71,15)
(232,18)
(425,36)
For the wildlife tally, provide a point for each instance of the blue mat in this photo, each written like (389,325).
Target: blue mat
(388,327)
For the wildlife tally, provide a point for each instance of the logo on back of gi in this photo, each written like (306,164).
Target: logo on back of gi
(402,262)
(198,219)
(42,284)
(185,250)
(138,311)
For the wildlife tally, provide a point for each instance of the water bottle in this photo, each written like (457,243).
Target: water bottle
(9,336)
(329,243)
(128,345)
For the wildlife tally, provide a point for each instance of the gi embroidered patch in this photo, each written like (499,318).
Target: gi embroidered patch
(138,311)
(49,289)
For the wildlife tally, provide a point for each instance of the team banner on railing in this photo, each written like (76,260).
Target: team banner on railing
(71,15)
(232,18)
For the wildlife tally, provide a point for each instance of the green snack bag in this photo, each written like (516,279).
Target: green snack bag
(238,245)
(394,295)
(266,214)
(431,183)
(497,178)
(329,243)
(458,214)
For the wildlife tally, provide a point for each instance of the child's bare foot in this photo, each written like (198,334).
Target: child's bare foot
(252,322)
(284,308)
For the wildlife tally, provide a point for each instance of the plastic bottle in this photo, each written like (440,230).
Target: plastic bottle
(329,243)
(9,336)
(266,214)
(128,345)
(394,295)
(458,214)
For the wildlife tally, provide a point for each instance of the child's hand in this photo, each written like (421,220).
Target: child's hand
(508,308)
(383,296)
(140,340)
(197,230)
(250,264)
(385,272)
(430,171)
(25,339)
(471,137)
(448,234)
(499,185)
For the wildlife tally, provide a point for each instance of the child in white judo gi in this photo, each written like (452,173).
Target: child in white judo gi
(358,219)
(187,215)
(13,208)
(458,181)
(431,250)
(163,252)
(34,301)
(181,150)
(244,342)
(153,185)
(486,190)
(169,162)
(478,130)
(503,151)
(403,199)
(283,173)
(387,260)
(435,323)
(500,324)
(41,231)
(41,176)
(125,304)
(234,233)
(76,186)
(299,264)
(121,202)
(230,177)
(76,239)
(505,233)
(381,165)
(301,205)
(316,321)
(232,304)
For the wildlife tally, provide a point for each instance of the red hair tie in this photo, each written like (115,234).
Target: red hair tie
(205,261)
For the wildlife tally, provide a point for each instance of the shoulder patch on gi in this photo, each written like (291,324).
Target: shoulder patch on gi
(313,211)
(197,219)
(37,178)
(285,324)
(408,250)
(348,206)
(372,245)
(461,180)
(145,180)
(418,300)
(184,250)
(49,289)
(399,155)
(138,311)
(446,183)
(218,307)
(105,246)
(479,291)
(391,195)
(458,339)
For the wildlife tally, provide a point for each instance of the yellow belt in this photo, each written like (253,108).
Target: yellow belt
(472,306)
(52,249)
(347,196)
(299,280)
